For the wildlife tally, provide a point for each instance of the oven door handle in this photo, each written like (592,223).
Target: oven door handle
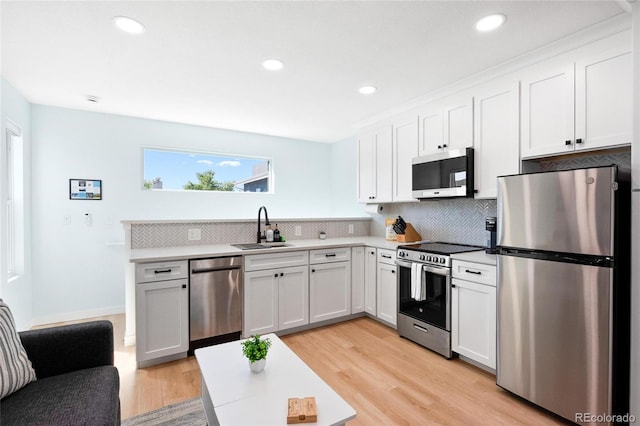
(433,269)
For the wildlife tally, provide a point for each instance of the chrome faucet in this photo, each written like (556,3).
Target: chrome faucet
(266,222)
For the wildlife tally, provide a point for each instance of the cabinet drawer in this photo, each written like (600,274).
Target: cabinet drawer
(161,271)
(259,262)
(475,272)
(339,254)
(387,256)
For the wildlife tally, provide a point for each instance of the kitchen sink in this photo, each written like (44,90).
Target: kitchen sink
(259,246)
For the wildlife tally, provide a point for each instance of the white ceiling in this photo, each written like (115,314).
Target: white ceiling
(199,62)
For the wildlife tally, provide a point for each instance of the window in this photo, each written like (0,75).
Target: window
(15,204)
(198,171)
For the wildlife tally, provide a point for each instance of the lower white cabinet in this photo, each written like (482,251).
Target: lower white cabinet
(387,295)
(330,291)
(357,279)
(276,292)
(370,285)
(162,314)
(275,299)
(473,314)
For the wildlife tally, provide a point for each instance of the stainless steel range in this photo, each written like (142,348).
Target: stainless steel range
(424,293)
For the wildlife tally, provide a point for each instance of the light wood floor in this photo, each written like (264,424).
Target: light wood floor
(388,380)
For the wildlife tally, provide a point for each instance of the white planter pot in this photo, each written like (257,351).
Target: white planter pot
(258,366)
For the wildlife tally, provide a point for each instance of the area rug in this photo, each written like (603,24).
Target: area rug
(187,413)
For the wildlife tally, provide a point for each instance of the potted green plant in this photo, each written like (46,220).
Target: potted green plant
(255,349)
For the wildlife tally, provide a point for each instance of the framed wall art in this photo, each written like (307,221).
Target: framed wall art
(85,189)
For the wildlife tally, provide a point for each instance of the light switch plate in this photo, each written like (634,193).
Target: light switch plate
(351,228)
(298,230)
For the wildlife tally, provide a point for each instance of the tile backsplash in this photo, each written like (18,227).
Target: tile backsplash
(459,220)
(175,234)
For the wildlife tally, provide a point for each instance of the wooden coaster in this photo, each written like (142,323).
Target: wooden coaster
(302,410)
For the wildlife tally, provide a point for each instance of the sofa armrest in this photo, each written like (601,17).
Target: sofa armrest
(66,348)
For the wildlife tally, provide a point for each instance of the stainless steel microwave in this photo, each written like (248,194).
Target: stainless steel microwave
(444,175)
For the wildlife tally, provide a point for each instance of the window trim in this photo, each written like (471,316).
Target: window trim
(14,164)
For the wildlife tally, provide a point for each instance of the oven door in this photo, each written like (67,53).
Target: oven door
(431,304)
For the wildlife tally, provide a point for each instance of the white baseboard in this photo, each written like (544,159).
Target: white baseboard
(77,315)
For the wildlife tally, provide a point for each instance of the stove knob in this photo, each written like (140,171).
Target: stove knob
(400,254)
(442,260)
(422,257)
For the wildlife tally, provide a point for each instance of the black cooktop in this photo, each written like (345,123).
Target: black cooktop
(441,248)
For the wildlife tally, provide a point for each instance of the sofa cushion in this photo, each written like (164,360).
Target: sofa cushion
(15,368)
(83,397)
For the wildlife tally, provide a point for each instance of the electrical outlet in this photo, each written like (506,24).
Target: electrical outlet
(351,228)
(195,234)
(298,230)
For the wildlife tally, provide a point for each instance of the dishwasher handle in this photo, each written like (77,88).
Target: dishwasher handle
(214,269)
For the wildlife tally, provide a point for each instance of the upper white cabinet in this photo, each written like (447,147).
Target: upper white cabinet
(446,124)
(375,165)
(496,141)
(583,103)
(405,148)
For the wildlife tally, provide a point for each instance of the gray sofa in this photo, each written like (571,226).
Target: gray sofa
(77,383)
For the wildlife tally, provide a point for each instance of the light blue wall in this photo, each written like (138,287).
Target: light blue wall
(77,271)
(17,292)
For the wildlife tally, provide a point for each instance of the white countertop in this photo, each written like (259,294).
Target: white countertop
(216,250)
(477,257)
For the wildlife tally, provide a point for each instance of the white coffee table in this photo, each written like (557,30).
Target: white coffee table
(233,395)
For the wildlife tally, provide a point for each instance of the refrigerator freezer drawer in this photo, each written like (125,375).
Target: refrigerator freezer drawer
(554,334)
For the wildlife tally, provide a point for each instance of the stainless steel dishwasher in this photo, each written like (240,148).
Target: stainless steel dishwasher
(215,301)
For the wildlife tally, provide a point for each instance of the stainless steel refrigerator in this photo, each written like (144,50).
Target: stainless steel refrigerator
(563,291)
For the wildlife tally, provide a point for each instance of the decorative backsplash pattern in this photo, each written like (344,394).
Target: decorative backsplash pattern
(622,159)
(459,220)
(153,235)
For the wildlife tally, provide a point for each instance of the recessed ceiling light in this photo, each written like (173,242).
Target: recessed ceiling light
(92,98)
(367,90)
(273,64)
(128,25)
(490,22)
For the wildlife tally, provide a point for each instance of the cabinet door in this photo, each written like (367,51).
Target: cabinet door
(293,296)
(547,111)
(384,165)
(604,99)
(387,294)
(405,148)
(431,130)
(329,291)
(473,321)
(357,279)
(366,167)
(370,284)
(162,319)
(260,302)
(496,143)
(458,122)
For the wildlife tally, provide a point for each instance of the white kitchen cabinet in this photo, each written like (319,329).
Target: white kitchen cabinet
(446,124)
(387,297)
(496,130)
(375,165)
(162,312)
(276,292)
(293,297)
(370,284)
(260,303)
(405,148)
(329,291)
(576,104)
(473,312)
(357,279)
